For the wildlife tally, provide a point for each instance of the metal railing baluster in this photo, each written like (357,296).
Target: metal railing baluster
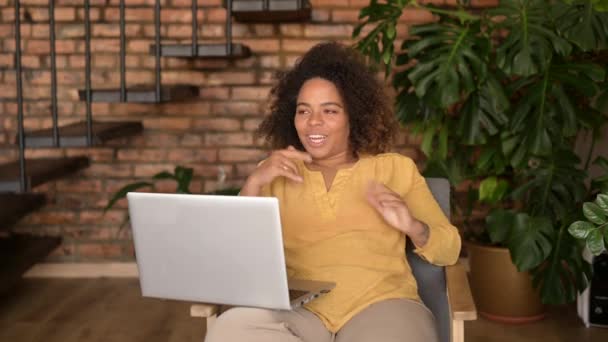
(194,28)
(21,131)
(87,42)
(53,74)
(157,50)
(229,27)
(123,54)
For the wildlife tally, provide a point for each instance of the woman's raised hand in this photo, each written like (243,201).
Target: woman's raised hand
(280,163)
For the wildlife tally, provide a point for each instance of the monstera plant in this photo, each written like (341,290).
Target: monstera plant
(500,96)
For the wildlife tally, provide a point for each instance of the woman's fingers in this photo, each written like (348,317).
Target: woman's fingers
(292,153)
(288,173)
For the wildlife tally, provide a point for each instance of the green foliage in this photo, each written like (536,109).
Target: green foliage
(182,177)
(594,231)
(499,98)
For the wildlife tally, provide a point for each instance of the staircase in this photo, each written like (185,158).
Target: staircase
(18,252)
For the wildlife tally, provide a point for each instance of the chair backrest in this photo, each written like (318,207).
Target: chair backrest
(432,287)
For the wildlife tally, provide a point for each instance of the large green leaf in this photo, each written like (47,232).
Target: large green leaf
(595,242)
(530,241)
(554,186)
(484,113)
(450,60)
(581,24)
(499,224)
(530,44)
(564,273)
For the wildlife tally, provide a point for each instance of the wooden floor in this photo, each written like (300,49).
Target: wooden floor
(55,310)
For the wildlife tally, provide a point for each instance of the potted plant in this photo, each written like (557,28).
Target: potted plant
(499,97)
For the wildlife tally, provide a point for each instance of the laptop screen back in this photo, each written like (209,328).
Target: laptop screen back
(215,249)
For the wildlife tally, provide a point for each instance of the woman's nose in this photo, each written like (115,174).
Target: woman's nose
(315,119)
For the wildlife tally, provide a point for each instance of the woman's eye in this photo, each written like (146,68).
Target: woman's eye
(301,112)
(331,111)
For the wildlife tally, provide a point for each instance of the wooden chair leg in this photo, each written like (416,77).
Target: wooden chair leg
(457,331)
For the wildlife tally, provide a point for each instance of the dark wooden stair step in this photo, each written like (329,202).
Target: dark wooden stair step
(14,206)
(206,51)
(278,11)
(143,94)
(19,252)
(76,134)
(39,171)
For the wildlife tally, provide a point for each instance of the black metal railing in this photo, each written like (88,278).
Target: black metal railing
(87,73)
(53,73)
(228,27)
(21,131)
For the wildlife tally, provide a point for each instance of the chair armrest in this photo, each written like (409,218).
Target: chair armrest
(462,306)
(204,310)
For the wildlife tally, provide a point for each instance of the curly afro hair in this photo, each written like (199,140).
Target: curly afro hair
(371,117)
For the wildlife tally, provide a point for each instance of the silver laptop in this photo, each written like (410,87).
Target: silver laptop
(215,249)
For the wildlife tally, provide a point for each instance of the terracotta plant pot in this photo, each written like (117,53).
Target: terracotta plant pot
(501,292)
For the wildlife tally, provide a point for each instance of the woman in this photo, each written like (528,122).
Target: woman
(346,208)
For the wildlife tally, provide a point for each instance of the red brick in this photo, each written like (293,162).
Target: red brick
(98,154)
(191,140)
(94,14)
(345,15)
(260,45)
(229,139)
(6,31)
(44,152)
(175,15)
(43,46)
(183,76)
(298,45)
(201,3)
(319,15)
(70,31)
(184,108)
(416,16)
(48,217)
(251,124)
(328,3)
(99,250)
(167,123)
(273,62)
(188,156)
(149,170)
(325,31)
(216,15)
(7,60)
(78,185)
(141,154)
(113,30)
(241,155)
(217,124)
(250,93)
(99,217)
(131,14)
(215,64)
(108,170)
(230,77)
(235,108)
(214,93)
(359,3)
(244,170)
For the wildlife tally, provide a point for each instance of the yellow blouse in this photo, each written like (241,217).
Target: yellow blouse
(337,236)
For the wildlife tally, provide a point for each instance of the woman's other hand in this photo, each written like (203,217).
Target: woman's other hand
(280,163)
(396,213)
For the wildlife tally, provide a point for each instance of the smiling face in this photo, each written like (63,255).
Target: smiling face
(322,122)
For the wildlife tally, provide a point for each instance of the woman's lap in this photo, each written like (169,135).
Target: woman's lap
(386,321)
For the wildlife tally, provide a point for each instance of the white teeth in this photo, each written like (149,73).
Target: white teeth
(317,138)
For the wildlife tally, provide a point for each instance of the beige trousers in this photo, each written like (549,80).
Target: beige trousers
(390,320)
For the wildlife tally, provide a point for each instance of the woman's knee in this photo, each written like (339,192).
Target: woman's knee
(233,323)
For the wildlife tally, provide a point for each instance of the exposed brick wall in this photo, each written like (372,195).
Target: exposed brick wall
(212,133)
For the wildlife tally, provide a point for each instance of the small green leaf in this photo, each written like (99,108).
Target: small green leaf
(580,229)
(595,242)
(594,213)
(390,31)
(602,202)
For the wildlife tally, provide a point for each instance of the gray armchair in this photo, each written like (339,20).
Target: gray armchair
(444,290)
